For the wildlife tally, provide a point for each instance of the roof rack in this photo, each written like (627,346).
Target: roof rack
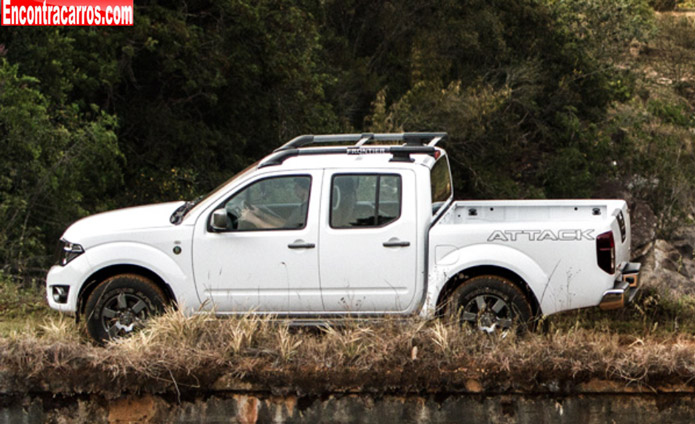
(414,142)
(409,138)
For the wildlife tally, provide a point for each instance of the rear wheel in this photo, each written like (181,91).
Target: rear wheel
(121,305)
(491,304)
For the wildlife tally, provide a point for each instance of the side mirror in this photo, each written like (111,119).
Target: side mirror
(218,220)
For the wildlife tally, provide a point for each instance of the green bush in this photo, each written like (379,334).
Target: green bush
(20,299)
(663,5)
(676,114)
(56,165)
(673,49)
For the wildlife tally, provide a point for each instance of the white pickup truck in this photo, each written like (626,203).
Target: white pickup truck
(346,225)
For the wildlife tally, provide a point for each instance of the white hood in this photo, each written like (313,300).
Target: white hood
(121,221)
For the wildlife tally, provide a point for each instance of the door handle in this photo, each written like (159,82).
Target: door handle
(300,244)
(394,242)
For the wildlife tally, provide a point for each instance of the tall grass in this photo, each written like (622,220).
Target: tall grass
(648,344)
(21,299)
(176,353)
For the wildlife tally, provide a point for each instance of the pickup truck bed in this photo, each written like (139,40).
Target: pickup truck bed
(550,244)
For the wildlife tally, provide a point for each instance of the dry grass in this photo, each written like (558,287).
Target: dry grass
(176,354)
(649,344)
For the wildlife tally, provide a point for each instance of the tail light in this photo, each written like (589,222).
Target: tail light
(605,252)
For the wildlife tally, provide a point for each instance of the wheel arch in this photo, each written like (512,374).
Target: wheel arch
(464,275)
(97,277)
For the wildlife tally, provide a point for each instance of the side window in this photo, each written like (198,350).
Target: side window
(279,203)
(365,200)
(440,180)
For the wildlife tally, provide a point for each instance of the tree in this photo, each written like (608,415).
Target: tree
(56,165)
(522,87)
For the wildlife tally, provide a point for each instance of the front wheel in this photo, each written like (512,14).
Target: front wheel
(491,304)
(121,305)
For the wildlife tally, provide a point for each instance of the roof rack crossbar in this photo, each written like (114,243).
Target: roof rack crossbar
(411,138)
(365,138)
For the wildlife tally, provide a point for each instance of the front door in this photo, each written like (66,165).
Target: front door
(368,242)
(268,249)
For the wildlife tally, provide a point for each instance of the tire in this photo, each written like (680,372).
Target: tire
(121,305)
(491,304)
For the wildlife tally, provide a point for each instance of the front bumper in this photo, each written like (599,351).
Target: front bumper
(69,278)
(625,289)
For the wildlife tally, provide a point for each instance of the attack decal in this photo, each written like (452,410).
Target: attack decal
(541,235)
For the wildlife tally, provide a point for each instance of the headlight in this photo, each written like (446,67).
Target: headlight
(69,252)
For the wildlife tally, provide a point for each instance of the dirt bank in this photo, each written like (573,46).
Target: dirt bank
(249,407)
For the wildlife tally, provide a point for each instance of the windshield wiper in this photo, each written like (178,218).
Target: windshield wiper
(182,210)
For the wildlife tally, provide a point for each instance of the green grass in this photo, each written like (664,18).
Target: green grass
(653,312)
(23,306)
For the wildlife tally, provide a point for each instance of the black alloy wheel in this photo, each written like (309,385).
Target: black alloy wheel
(490,303)
(121,305)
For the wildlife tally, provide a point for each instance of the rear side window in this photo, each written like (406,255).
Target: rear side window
(440,179)
(365,200)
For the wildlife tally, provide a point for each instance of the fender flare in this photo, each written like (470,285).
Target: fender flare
(480,256)
(133,256)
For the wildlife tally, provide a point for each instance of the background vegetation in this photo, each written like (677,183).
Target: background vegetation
(541,98)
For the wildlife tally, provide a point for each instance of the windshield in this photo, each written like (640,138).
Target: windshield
(200,200)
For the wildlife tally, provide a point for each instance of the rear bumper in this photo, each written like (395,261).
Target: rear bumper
(625,289)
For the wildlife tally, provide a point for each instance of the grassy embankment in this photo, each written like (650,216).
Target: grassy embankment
(648,344)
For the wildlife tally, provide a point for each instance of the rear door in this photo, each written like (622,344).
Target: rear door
(368,241)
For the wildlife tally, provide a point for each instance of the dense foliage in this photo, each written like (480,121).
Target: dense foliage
(542,98)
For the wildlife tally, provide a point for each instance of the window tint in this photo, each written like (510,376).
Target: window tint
(440,180)
(365,200)
(279,203)
(389,199)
